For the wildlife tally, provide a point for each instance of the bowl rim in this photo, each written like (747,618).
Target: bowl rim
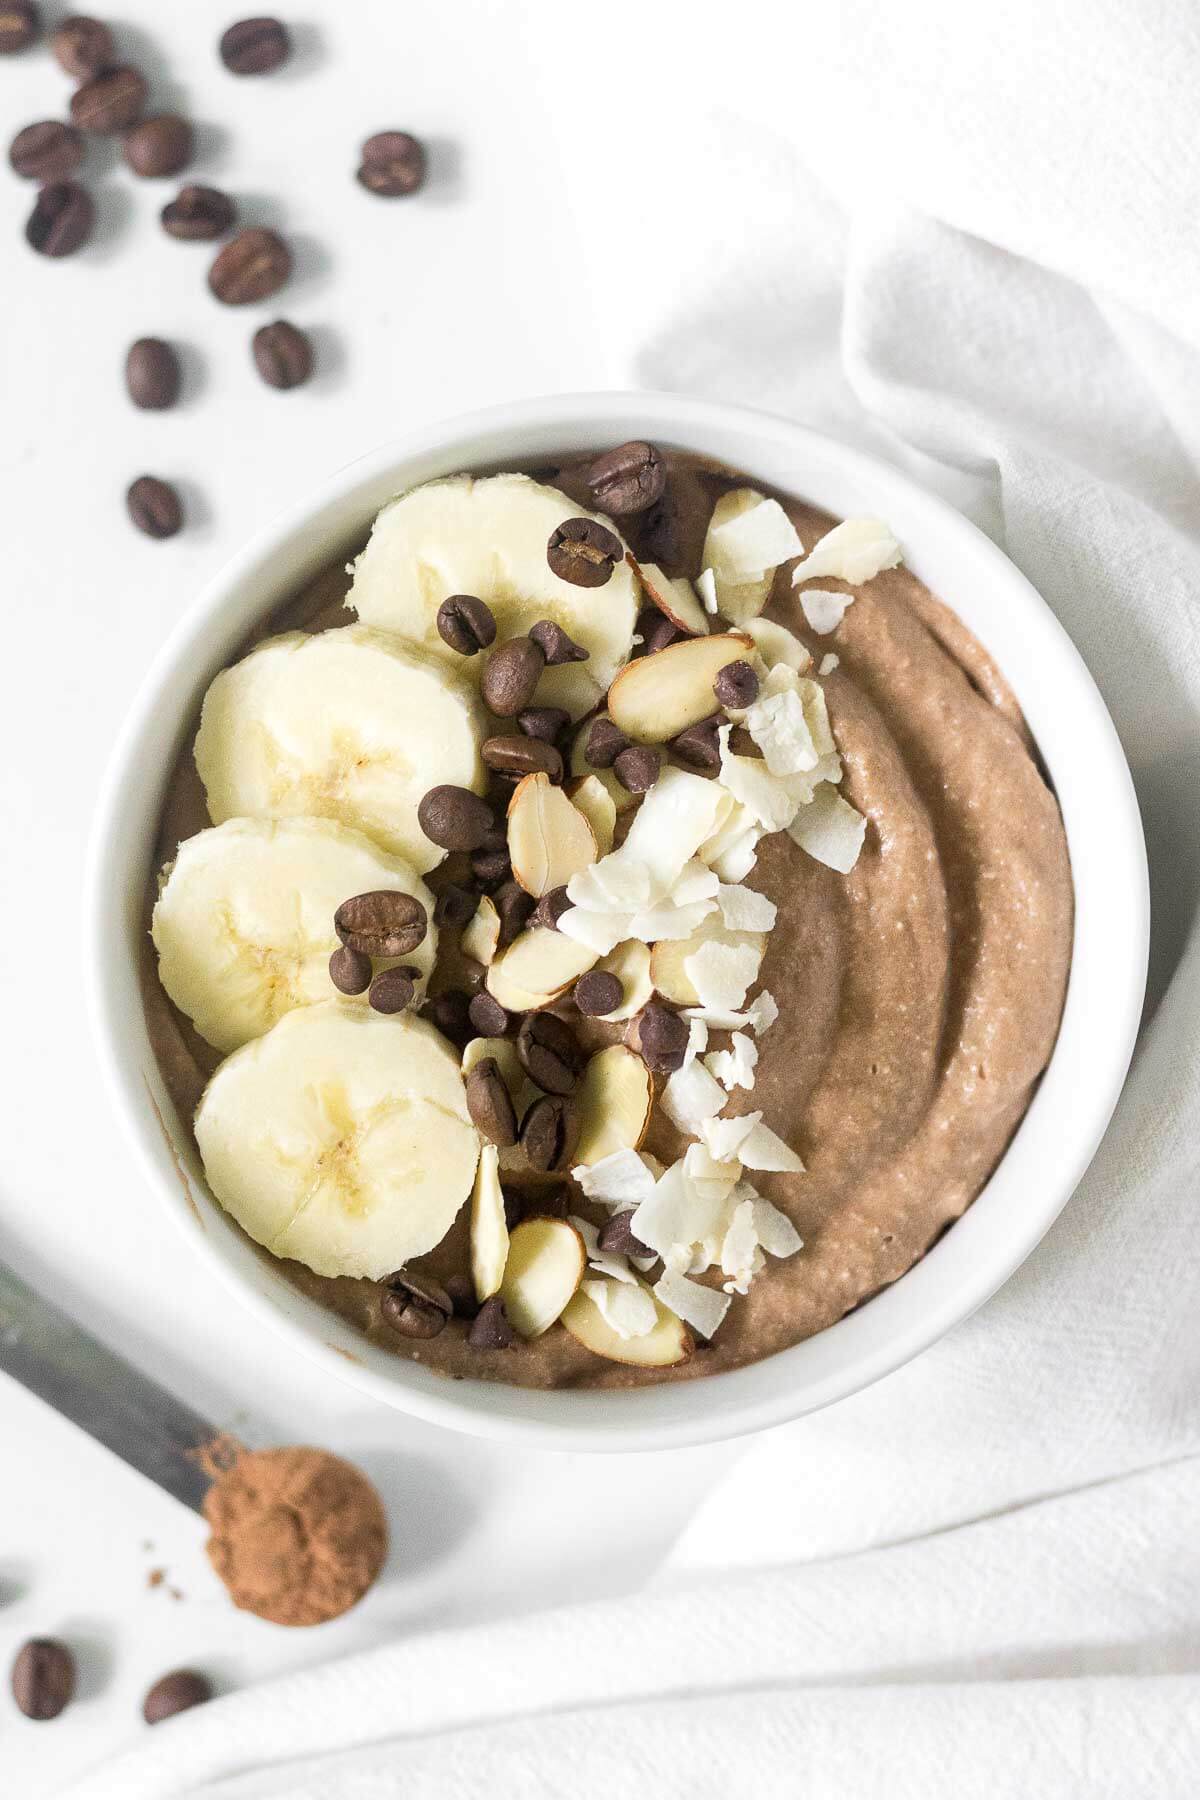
(951,1281)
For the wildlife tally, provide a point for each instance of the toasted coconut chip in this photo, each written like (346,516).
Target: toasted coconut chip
(674,819)
(744,909)
(697,1041)
(779,727)
(598,807)
(598,931)
(762,1012)
(677,1215)
(710,1179)
(698,1306)
(817,713)
(853,551)
(734,1067)
(628,1309)
(622,1179)
(617,883)
(721,973)
(696,882)
(776,644)
(691,1096)
(830,830)
(768,797)
(829,662)
(738,599)
(763,1149)
(724,1137)
(482,934)
(824,609)
(753,541)
(740,1257)
(669,924)
(775,1231)
(706,587)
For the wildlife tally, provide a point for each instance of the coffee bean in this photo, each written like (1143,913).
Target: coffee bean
(283,354)
(466,623)
(550,909)
(627,479)
(454,907)
(47,151)
(175,1693)
(392,991)
(198,214)
(655,630)
(583,552)
(491,1329)
(544,722)
(637,769)
(454,818)
(111,101)
(515,908)
(83,47)
(415,1305)
(549,1053)
(518,755)
(383,922)
(20,23)
(488,1016)
(511,675)
(549,1133)
(251,267)
(617,1238)
(662,1039)
(490,861)
(159,146)
(154,507)
(598,993)
(555,645)
(604,743)
(736,685)
(152,374)
(350,971)
(255,46)
(43,1674)
(490,1104)
(448,1014)
(62,219)
(697,745)
(393,164)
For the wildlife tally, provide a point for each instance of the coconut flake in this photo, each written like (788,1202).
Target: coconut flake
(816,714)
(690,1097)
(745,909)
(766,796)
(598,931)
(706,587)
(740,1257)
(736,863)
(721,973)
(774,1230)
(734,1067)
(667,922)
(697,1041)
(617,883)
(824,609)
(700,1307)
(696,882)
(675,817)
(830,830)
(628,1309)
(853,551)
(751,542)
(620,1180)
(725,1137)
(764,1149)
(829,662)
(710,1179)
(762,1012)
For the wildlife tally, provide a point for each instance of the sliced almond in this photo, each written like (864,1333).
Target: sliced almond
(598,807)
(504,1053)
(667,959)
(536,968)
(549,839)
(489,1230)
(676,598)
(776,644)
(614,1100)
(739,598)
(546,1261)
(580,767)
(669,1342)
(630,963)
(656,697)
(571,686)
(482,935)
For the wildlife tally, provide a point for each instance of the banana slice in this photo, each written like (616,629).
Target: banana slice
(350,725)
(488,537)
(341,1139)
(243,925)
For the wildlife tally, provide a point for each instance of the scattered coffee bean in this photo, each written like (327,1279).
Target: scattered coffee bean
(550,1053)
(393,164)
(454,818)
(555,645)
(454,907)
(175,1693)
(83,46)
(20,24)
(544,722)
(511,675)
(392,991)
(655,630)
(154,506)
(490,1104)
(637,769)
(736,685)
(251,267)
(198,214)
(490,861)
(415,1305)
(515,908)
(550,909)
(383,922)
(43,1674)
(159,146)
(488,1016)
(111,101)
(662,1038)
(152,374)
(466,623)
(350,970)
(47,151)
(697,745)
(627,479)
(490,1329)
(583,552)
(549,1133)
(598,993)
(604,743)
(283,354)
(463,1297)
(518,755)
(617,1238)
(448,1014)
(255,46)
(62,219)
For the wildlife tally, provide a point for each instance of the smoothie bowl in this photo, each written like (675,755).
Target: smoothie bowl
(619,924)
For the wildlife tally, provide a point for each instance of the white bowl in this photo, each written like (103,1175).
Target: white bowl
(1070,1110)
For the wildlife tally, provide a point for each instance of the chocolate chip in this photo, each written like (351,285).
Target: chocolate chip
(198,214)
(463,1297)
(550,909)
(604,743)
(549,1133)
(350,970)
(488,1016)
(159,146)
(655,630)
(515,908)
(490,861)
(511,675)
(518,755)
(549,1053)
(598,993)
(154,506)
(62,219)
(19,25)
(454,907)
(662,1038)
(637,768)
(555,645)
(583,552)
(490,1329)
(111,101)
(152,374)
(383,922)
(490,1104)
(43,1674)
(627,479)
(82,46)
(454,818)
(697,745)
(544,722)
(448,1014)
(283,354)
(254,46)
(466,623)
(252,266)
(47,151)
(415,1305)
(617,1238)
(392,991)
(393,164)
(175,1693)
(736,685)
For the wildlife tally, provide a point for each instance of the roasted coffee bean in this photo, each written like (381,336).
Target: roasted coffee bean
(549,1053)
(736,685)
(20,23)
(637,769)
(251,267)
(175,1693)
(490,861)
(488,1016)
(47,151)
(655,630)
(83,46)
(154,506)
(544,722)
(152,374)
(350,971)
(393,164)
(454,818)
(627,479)
(598,993)
(515,908)
(549,1133)
(697,745)
(111,101)
(159,146)
(617,1238)
(454,907)
(583,552)
(415,1305)
(62,219)
(511,675)
(490,1330)
(466,623)
(555,645)
(383,922)
(283,354)
(518,755)
(463,1297)
(490,1104)
(448,1014)
(662,1038)
(198,214)
(392,991)
(43,1674)
(550,909)
(604,743)
(255,46)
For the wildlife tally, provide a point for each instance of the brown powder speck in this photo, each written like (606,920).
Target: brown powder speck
(156,1577)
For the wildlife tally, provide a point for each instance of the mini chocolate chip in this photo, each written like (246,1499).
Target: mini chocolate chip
(62,219)
(515,908)
(159,146)
(454,907)
(393,164)
(655,630)
(154,506)
(490,1330)
(518,755)
(198,214)
(736,685)
(283,354)
(383,922)
(511,675)
(549,1133)
(111,101)
(604,743)
(555,645)
(490,861)
(250,267)
(617,1238)
(598,993)
(697,746)
(254,46)
(175,1693)
(350,970)
(20,23)
(637,768)
(627,479)
(488,1016)
(583,552)
(447,1012)
(490,1104)
(82,46)
(544,722)
(392,991)
(152,374)
(454,818)
(466,623)
(550,909)
(549,1053)
(662,1038)
(43,1673)
(47,151)
(461,1290)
